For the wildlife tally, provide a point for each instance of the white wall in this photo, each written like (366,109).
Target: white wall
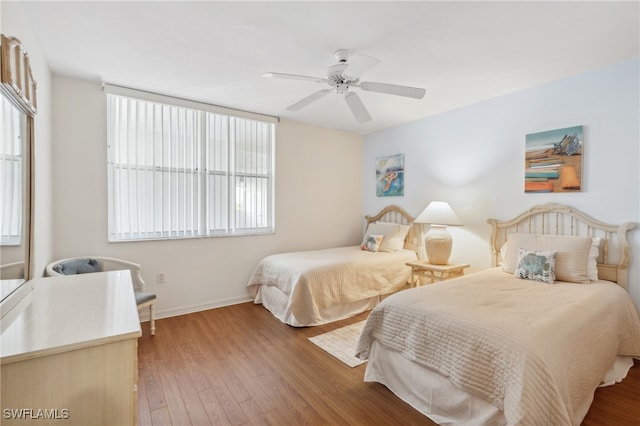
(14,23)
(318,205)
(473,157)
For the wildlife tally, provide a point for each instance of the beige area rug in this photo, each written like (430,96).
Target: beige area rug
(341,343)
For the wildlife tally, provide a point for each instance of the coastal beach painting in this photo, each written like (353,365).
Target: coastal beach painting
(553,160)
(390,176)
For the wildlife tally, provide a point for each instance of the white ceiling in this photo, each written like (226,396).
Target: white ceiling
(216,52)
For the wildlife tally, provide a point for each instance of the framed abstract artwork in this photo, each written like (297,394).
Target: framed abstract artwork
(553,160)
(390,176)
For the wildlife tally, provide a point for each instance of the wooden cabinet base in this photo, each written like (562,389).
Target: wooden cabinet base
(90,386)
(69,353)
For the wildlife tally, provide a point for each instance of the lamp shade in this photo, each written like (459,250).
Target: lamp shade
(438,213)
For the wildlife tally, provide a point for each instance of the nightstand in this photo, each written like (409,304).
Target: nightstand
(435,272)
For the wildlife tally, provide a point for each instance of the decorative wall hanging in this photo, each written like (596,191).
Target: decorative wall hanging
(553,161)
(390,176)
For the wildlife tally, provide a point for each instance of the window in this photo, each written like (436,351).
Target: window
(11,173)
(179,171)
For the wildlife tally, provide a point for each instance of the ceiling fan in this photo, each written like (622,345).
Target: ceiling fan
(345,75)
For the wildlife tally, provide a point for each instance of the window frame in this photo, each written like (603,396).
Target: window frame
(203,226)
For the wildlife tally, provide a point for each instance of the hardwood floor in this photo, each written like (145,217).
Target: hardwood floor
(239,365)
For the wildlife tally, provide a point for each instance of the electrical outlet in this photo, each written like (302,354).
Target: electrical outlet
(162,278)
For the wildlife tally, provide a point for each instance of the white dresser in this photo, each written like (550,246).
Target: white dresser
(68,352)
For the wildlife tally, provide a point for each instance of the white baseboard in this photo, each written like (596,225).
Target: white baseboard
(173,312)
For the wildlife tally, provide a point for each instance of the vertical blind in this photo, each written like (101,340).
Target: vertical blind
(180,172)
(11,173)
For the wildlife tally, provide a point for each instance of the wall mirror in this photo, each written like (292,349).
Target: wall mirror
(17,112)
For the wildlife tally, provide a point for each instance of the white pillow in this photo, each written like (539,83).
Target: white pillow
(573,254)
(592,263)
(394,235)
(503,251)
(594,255)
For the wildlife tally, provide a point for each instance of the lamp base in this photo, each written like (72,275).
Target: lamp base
(438,245)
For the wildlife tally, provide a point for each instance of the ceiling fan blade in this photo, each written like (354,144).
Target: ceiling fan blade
(295,77)
(359,63)
(311,98)
(357,107)
(392,89)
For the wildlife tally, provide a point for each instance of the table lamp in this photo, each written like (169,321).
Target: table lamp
(438,240)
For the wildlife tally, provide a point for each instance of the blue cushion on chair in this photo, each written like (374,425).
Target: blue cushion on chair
(78,266)
(144,297)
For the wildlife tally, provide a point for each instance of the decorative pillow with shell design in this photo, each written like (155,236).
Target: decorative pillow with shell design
(372,242)
(536,265)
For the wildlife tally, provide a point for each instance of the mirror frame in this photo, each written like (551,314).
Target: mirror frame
(18,84)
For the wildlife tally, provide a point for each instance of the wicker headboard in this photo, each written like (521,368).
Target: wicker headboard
(559,219)
(396,214)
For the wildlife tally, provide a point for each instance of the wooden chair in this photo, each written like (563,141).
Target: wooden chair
(83,265)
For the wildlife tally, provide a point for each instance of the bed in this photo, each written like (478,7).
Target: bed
(491,348)
(315,287)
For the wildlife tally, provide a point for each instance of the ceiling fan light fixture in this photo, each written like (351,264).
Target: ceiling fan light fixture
(345,74)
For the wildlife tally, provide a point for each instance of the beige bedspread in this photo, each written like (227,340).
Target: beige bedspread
(321,278)
(533,350)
